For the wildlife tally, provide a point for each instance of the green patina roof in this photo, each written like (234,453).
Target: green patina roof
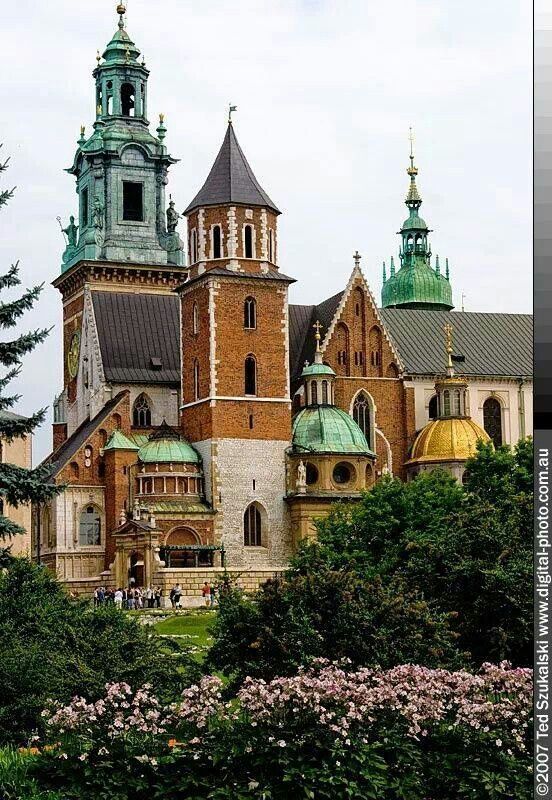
(327,429)
(118,441)
(168,451)
(414,223)
(417,286)
(317,369)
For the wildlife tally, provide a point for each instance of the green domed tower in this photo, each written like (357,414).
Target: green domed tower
(416,284)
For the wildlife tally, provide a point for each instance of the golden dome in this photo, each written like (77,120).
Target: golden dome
(450,439)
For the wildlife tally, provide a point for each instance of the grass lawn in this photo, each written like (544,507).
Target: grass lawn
(190,630)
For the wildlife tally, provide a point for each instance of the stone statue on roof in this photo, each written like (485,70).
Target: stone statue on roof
(172,217)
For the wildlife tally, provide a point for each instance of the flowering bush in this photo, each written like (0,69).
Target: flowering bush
(328,732)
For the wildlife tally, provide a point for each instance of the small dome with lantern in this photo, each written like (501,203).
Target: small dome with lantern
(166,446)
(452,438)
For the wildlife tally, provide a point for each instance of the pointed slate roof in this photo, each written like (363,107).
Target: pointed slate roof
(231,180)
(118,441)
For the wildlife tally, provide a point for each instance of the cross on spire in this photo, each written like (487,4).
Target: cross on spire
(357,258)
(317,327)
(231,108)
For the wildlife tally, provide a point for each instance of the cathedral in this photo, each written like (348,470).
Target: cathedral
(205,423)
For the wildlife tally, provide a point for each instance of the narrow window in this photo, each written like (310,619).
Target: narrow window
(314,393)
(216,242)
(271,245)
(251,422)
(446,403)
(127,100)
(456,403)
(195,321)
(492,420)
(357,309)
(361,415)
(193,247)
(196,379)
(84,207)
(324,393)
(252,526)
(250,313)
(356,359)
(133,201)
(248,236)
(141,413)
(250,375)
(432,410)
(90,527)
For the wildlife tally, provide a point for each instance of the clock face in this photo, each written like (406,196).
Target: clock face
(73,355)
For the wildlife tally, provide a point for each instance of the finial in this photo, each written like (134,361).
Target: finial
(98,57)
(448,341)
(357,258)
(231,108)
(437,267)
(412,171)
(82,132)
(447,273)
(392,266)
(161,130)
(317,327)
(121,11)
(384,273)
(99,110)
(463,298)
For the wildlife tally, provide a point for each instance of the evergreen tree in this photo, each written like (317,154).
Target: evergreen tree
(17,484)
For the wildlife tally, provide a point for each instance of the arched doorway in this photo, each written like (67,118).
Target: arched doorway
(136,569)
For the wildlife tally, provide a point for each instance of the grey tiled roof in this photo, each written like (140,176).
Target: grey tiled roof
(301,335)
(492,344)
(133,329)
(231,180)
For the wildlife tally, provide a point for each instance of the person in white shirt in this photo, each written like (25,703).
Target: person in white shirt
(119,598)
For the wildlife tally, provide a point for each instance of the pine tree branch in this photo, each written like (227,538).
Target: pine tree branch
(11,429)
(11,312)
(11,278)
(19,485)
(12,352)
(5,381)
(9,529)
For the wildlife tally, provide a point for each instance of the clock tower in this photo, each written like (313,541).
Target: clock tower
(124,237)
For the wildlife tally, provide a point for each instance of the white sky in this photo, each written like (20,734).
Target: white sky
(325,92)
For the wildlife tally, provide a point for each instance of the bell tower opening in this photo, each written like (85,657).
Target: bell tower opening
(128,103)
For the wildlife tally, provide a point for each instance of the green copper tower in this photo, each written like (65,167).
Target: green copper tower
(121,170)
(416,284)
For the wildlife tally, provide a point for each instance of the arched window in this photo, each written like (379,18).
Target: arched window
(456,403)
(196,379)
(250,313)
(446,403)
(127,100)
(432,410)
(361,415)
(314,393)
(324,393)
(250,375)
(90,527)
(195,319)
(252,526)
(375,343)
(116,420)
(102,433)
(74,469)
(193,246)
(248,241)
(492,420)
(216,242)
(141,412)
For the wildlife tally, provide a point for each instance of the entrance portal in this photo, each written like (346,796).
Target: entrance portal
(136,569)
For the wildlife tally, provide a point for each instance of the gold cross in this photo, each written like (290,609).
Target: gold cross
(317,327)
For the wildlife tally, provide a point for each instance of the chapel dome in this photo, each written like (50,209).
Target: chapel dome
(449,439)
(317,369)
(165,451)
(327,429)
(418,285)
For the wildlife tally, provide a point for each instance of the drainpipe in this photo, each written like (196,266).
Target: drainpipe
(521,408)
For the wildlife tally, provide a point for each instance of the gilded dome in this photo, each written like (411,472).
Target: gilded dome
(327,429)
(449,439)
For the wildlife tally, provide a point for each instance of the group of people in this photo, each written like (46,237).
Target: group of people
(131,598)
(208,592)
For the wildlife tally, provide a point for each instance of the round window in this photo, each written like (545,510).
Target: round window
(342,473)
(312,474)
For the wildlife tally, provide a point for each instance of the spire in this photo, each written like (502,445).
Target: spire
(392,272)
(437,267)
(413,199)
(447,271)
(384,273)
(231,180)
(318,353)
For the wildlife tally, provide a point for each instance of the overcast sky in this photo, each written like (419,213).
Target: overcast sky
(326,92)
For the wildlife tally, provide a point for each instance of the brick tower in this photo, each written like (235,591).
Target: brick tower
(235,359)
